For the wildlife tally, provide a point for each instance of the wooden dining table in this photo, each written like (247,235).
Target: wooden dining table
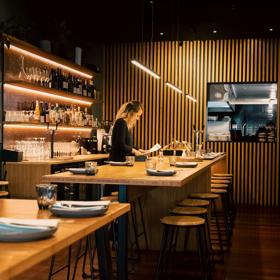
(16,257)
(129,178)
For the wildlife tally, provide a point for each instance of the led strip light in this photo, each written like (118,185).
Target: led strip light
(46,94)
(180,91)
(145,69)
(51,127)
(49,61)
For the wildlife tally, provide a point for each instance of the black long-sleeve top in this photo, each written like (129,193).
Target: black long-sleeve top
(121,141)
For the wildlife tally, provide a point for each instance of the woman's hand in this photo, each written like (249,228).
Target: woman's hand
(144,151)
(137,152)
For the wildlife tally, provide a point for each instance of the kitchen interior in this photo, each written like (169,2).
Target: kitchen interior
(240,111)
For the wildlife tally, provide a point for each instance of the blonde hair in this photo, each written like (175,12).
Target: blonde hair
(127,109)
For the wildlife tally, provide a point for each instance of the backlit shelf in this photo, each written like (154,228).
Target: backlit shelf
(27,49)
(45,126)
(59,95)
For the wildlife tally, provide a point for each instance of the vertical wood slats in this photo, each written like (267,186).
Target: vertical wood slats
(169,115)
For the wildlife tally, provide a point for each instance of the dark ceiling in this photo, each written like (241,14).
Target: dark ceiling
(85,22)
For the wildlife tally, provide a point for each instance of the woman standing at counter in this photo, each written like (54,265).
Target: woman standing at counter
(126,119)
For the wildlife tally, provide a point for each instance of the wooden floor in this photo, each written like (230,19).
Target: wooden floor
(254,255)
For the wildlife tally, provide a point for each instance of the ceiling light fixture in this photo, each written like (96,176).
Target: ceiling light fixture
(52,62)
(161,33)
(270,29)
(145,69)
(214,31)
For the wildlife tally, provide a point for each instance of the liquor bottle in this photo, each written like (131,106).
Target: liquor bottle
(42,113)
(65,83)
(84,87)
(47,113)
(37,111)
(70,83)
(90,88)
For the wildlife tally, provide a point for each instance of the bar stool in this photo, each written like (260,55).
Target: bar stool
(226,180)
(133,213)
(193,211)
(4,189)
(225,214)
(172,224)
(228,199)
(188,202)
(211,198)
(229,175)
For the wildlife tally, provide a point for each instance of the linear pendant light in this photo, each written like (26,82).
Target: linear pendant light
(179,91)
(145,69)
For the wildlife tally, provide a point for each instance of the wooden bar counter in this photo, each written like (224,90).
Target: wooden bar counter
(17,257)
(163,191)
(23,176)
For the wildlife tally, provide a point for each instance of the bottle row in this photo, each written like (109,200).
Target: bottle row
(55,78)
(41,112)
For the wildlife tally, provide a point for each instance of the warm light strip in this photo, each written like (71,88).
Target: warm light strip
(180,91)
(46,60)
(39,92)
(35,126)
(144,68)
(173,87)
(191,98)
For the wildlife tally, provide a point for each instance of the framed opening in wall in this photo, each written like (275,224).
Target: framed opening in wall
(242,112)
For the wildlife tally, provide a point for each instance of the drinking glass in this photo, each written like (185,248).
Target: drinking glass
(172,160)
(46,195)
(150,163)
(130,160)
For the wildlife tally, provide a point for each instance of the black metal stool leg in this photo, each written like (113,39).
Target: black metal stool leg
(218,228)
(162,253)
(77,259)
(90,249)
(51,267)
(143,223)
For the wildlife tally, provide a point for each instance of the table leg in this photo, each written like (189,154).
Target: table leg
(103,252)
(122,238)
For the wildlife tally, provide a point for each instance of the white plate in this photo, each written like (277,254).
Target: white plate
(20,233)
(118,163)
(186,164)
(208,157)
(153,172)
(78,212)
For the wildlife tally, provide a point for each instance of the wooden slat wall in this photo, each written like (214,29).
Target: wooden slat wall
(169,115)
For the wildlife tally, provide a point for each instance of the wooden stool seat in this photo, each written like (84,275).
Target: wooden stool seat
(115,193)
(188,202)
(183,221)
(189,211)
(218,191)
(221,178)
(220,181)
(4,183)
(219,186)
(112,198)
(204,195)
(222,175)
(3,193)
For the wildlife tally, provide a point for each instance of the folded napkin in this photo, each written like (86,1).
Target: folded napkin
(51,223)
(71,203)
